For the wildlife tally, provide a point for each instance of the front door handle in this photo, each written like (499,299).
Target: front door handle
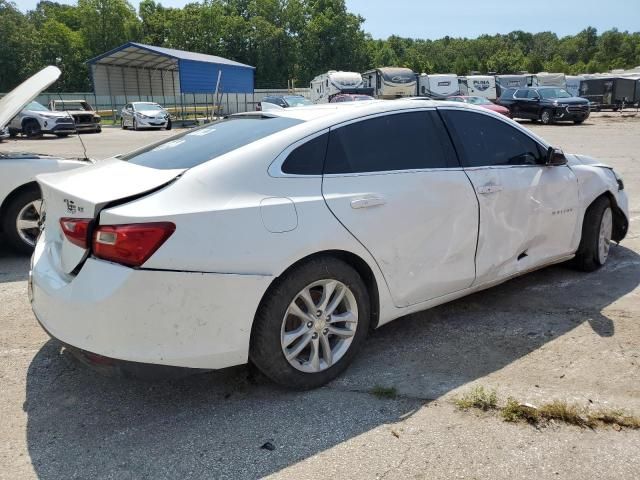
(487,189)
(367,202)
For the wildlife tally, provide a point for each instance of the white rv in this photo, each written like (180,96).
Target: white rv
(573,84)
(514,81)
(391,82)
(326,86)
(438,85)
(479,86)
(546,79)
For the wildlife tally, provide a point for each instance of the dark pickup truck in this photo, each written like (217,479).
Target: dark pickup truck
(547,104)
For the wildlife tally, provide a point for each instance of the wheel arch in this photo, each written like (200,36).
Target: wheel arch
(620,221)
(356,262)
(13,194)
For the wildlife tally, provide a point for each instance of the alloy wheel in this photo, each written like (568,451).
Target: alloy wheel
(319,326)
(28,222)
(604,236)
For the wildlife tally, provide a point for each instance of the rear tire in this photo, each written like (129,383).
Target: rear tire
(597,229)
(274,322)
(546,117)
(13,133)
(62,135)
(16,209)
(122,125)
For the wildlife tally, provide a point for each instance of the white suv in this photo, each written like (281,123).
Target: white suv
(36,119)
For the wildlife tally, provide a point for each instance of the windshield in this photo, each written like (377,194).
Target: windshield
(210,141)
(297,101)
(478,101)
(141,107)
(70,106)
(554,93)
(36,107)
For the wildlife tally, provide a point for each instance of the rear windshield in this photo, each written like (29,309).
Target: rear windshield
(205,143)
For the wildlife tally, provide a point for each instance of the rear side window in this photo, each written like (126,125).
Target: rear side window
(208,142)
(308,158)
(521,94)
(485,141)
(404,141)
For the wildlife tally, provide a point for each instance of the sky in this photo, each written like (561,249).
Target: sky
(470,18)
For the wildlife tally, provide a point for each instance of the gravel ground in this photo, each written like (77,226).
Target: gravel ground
(553,334)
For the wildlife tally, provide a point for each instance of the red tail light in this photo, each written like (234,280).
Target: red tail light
(76,230)
(132,244)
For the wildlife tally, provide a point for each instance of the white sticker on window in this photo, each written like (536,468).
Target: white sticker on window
(168,145)
(203,132)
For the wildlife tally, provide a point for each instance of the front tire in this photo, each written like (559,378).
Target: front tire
(32,129)
(546,117)
(20,223)
(578,122)
(169,126)
(597,230)
(135,125)
(62,135)
(311,324)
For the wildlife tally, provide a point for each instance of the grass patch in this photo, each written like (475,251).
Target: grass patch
(478,398)
(515,411)
(388,393)
(557,410)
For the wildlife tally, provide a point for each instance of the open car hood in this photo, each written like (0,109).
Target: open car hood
(18,98)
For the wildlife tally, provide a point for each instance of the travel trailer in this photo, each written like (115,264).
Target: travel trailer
(610,92)
(514,81)
(324,87)
(438,85)
(479,86)
(546,79)
(391,82)
(573,84)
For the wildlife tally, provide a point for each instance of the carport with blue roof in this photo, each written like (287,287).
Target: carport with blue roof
(135,71)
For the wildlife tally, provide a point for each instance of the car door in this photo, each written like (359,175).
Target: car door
(532,106)
(528,210)
(519,108)
(394,182)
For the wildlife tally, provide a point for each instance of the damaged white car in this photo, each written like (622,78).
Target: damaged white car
(283,237)
(20,198)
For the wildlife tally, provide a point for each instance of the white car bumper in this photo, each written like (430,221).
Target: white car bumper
(196,320)
(151,122)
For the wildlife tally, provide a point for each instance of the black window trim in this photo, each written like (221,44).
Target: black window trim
(541,143)
(458,167)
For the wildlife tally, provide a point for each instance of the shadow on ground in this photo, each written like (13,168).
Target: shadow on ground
(82,425)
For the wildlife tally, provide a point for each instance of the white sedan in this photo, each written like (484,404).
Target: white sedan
(138,115)
(20,198)
(282,237)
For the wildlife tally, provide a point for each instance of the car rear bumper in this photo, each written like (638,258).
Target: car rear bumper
(182,319)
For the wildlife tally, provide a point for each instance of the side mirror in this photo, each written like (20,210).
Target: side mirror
(555,157)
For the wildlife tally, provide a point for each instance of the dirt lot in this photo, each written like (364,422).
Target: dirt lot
(554,334)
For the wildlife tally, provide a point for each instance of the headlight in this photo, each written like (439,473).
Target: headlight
(141,115)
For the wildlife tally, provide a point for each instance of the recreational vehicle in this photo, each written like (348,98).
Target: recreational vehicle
(391,82)
(610,92)
(438,86)
(479,86)
(573,84)
(324,87)
(514,81)
(546,79)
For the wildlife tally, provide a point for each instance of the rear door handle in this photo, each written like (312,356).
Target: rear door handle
(367,202)
(487,189)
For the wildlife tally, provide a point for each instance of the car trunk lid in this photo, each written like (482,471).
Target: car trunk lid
(83,193)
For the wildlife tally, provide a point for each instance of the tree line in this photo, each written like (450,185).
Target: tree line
(284,40)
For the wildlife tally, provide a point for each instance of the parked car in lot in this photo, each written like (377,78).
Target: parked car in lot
(282,237)
(34,120)
(85,118)
(483,103)
(20,197)
(547,104)
(138,115)
(349,97)
(284,101)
